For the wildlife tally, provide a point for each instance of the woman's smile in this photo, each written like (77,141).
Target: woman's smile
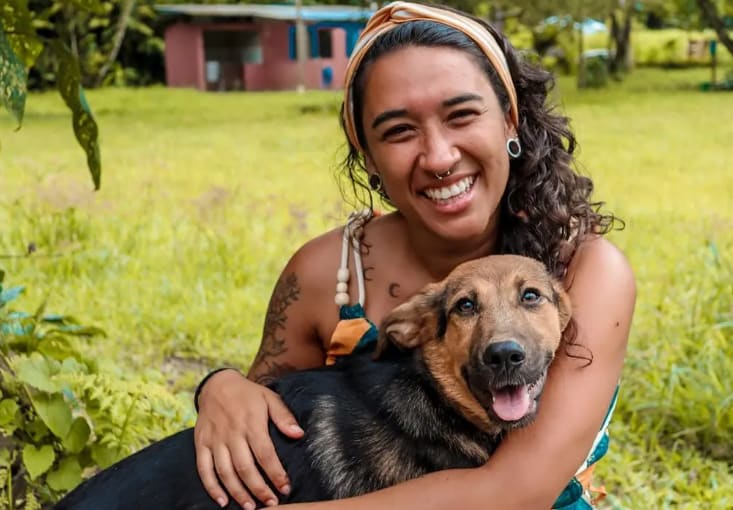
(452,197)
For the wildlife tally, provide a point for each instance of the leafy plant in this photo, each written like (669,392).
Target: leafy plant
(24,35)
(596,71)
(61,415)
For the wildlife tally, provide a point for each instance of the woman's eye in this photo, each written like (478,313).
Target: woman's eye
(465,306)
(531,296)
(461,115)
(396,132)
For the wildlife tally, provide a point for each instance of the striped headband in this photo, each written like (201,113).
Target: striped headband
(390,16)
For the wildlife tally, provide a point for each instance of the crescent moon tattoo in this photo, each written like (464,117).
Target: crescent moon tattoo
(366,271)
(394,289)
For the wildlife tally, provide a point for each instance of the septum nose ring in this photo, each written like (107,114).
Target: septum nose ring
(442,176)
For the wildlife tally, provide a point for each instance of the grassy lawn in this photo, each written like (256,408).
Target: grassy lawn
(205,195)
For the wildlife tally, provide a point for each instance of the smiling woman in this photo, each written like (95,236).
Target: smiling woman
(448,124)
(444,120)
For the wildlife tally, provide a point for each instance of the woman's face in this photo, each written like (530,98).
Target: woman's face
(428,111)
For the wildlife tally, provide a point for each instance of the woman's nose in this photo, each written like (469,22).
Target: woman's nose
(439,153)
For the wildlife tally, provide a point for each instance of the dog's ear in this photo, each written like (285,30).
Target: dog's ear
(563,303)
(411,323)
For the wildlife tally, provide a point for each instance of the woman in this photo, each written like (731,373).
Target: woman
(447,123)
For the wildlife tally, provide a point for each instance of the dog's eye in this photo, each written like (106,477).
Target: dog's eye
(465,306)
(531,296)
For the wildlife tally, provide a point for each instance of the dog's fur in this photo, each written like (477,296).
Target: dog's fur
(427,403)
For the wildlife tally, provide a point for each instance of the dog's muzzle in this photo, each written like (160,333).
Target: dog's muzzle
(508,381)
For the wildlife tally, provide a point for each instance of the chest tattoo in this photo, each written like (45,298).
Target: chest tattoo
(394,290)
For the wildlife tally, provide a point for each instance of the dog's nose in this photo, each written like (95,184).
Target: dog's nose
(508,354)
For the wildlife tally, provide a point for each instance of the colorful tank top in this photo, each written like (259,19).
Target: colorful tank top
(354,332)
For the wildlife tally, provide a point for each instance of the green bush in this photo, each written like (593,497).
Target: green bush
(595,71)
(669,48)
(63,415)
(558,48)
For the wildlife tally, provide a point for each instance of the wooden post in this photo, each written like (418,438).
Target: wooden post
(714,60)
(301,45)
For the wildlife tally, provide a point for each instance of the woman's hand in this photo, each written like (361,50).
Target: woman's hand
(232,439)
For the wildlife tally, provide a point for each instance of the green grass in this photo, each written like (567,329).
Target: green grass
(204,196)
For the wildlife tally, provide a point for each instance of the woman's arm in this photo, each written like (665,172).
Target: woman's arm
(533,465)
(231,433)
(289,338)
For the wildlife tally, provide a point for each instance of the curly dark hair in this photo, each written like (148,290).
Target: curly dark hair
(546,209)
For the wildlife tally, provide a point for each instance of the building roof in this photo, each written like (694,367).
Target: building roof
(342,13)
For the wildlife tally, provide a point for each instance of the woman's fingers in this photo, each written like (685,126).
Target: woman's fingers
(235,443)
(227,471)
(245,472)
(267,459)
(282,417)
(205,467)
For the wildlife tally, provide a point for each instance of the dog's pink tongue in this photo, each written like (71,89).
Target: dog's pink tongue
(511,404)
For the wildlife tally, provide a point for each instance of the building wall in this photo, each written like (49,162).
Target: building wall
(185,57)
(279,72)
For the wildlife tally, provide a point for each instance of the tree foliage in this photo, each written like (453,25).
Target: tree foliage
(27,34)
(115,43)
(714,16)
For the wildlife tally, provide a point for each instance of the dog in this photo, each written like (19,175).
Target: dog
(454,368)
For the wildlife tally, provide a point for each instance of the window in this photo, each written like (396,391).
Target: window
(242,47)
(325,47)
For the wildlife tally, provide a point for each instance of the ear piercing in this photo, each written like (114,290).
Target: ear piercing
(513,147)
(375,182)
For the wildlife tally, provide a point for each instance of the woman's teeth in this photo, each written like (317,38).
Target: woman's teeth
(452,191)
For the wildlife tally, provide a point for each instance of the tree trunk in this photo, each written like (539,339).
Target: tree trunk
(119,36)
(711,13)
(581,59)
(621,35)
(581,46)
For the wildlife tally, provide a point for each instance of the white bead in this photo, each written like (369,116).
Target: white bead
(342,275)
(342,287)
(342,299)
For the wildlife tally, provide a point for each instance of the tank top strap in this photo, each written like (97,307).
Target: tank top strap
(353,328)
(352,237)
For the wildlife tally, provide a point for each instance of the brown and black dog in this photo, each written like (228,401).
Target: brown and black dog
(459,364)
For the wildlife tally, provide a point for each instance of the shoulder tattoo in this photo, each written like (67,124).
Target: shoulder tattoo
(287,291)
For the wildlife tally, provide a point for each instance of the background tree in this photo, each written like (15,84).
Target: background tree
(716,19)
(620,16)
(115,42)
(25,35)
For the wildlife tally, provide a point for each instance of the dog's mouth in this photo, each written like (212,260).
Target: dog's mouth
(513,403)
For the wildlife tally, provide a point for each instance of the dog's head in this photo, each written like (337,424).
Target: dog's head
(487,334)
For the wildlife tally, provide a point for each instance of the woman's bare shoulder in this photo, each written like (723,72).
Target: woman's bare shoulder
(317,258)
(321,256)
(600,259)
(602,288)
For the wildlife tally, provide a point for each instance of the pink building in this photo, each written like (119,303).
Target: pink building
(253,47)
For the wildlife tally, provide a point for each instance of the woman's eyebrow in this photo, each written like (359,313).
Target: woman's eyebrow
(389,114)
(462,99)
(453,101)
